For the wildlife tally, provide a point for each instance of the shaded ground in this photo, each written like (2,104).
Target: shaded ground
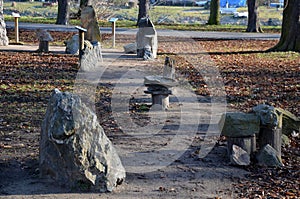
(250,78)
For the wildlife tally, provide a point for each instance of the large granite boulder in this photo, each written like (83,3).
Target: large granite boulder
(3,36)
(237,124)
(74,150)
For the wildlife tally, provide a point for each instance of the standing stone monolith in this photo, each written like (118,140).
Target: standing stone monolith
(146,39)
(74,150)
(3,36)
(89,22)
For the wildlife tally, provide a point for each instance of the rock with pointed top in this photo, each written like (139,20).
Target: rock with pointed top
(74,150)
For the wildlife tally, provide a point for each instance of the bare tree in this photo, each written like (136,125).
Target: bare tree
(214,16)
(143,9)
(63,13)
(253,20)
(290,32)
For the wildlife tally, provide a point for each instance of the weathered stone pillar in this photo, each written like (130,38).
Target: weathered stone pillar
(3,36)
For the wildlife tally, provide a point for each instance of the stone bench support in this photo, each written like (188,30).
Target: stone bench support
(246,143)
(160,97)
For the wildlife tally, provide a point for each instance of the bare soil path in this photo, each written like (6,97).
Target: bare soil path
(183,176)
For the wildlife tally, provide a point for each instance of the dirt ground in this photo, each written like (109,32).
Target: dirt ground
(183,172)
(187,176)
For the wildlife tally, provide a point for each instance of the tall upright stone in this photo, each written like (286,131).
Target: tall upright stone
(90,23)
(74,150)
(146,39)
(3,36)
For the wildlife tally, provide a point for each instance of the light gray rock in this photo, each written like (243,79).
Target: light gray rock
(239,156)
(74,150)
(268,156)
(3,35)
(237,124)
(146,36)
(72,45)
(91,56)
(130,48)
(267,114)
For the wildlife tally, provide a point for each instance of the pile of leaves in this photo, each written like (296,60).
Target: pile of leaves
(277,182)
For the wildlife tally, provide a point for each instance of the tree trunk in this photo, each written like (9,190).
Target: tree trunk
(290,32)
(214,17)
(63,12)
(84,3)
(143,9)
(253,21)
(3,36)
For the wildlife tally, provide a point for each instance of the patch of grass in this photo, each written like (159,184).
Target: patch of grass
(164,17)
(39,20)
(280,55)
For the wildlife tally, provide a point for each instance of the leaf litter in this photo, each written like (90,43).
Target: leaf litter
(250,76)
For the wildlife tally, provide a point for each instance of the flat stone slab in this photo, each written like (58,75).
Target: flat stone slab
(159,80)
(237,124)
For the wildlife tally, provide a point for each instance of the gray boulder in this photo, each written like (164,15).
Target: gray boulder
(239,156)
(130,48)
(91,56)
(146,37)
(72,45)
(236,124)
(268,156)
(267,114)
(74,150)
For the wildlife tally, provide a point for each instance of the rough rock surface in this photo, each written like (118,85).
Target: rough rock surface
(89,22)
(72,45)
(146,36)
(267,114)
(236,124)
(268,156)
(239,156)
(91,56)
(3,36)
(74,151)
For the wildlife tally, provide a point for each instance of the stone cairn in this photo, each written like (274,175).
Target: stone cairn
(242,131)
(74,150)
(160,86)
(44,37)
(263,126)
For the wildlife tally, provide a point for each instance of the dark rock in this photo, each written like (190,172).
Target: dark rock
(74,150)
(268,156)
(267,115)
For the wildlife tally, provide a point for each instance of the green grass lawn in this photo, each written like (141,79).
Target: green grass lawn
(168,17)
